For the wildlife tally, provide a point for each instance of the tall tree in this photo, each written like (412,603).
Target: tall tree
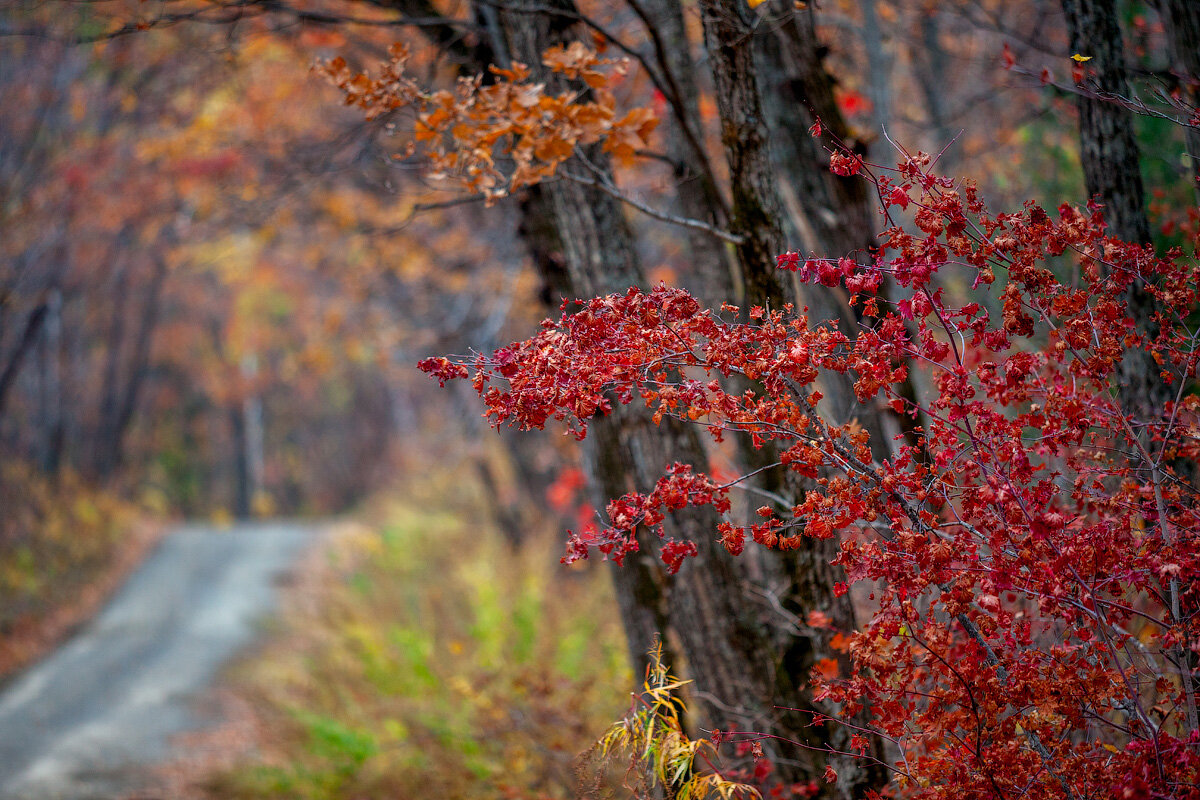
(1107,144)
(722,644)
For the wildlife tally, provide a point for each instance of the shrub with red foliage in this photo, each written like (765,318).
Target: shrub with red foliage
(1033,548)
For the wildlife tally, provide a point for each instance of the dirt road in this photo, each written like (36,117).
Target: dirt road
(81,723)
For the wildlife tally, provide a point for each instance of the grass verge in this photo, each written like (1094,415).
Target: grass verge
(423,658)
(64,548)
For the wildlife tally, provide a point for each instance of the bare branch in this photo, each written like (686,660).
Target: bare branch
(606,186)
(227,12)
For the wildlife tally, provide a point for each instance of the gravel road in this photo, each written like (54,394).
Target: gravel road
(80,724)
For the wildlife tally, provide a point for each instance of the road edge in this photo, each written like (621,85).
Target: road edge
(33,639)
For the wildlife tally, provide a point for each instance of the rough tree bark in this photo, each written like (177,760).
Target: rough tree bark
(1109,153)
(1107,145)
(783,58)
(731,646)
(757,209)
(827,213)
(581,246)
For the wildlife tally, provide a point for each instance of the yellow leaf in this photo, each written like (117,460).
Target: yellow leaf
(1078,59)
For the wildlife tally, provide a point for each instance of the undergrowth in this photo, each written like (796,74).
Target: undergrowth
(56,536)
(661,759)
(432,661)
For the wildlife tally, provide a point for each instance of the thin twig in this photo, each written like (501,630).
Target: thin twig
(606,186)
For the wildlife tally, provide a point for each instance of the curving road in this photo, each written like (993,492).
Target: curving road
(80,724)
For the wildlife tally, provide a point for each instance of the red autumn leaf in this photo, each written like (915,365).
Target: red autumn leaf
(852,103)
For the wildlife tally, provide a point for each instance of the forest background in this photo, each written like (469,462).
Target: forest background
(217,279)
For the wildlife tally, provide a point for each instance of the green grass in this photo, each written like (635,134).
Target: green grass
(433,662)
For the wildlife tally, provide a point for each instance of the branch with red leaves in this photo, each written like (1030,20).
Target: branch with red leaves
(1034,556)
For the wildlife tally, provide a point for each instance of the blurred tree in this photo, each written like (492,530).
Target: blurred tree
(174,258)
(1182,21)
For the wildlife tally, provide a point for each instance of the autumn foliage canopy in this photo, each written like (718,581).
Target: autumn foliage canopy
(1029,550)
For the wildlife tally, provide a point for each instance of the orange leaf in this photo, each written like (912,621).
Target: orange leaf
(827,668)
(819,619)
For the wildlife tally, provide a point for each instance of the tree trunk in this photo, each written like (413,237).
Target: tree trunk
(930,63)
(726,636)
(50,417)
(120,398)
(880,63)
(724,643)
(831,215)
(139,361)
(710,277)
(254,443)
(1182,21)
(803,580)
(241,462)
(638,585)
(1110,156)
(756,211)
(1107,146)
(104,455)
(12,364)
